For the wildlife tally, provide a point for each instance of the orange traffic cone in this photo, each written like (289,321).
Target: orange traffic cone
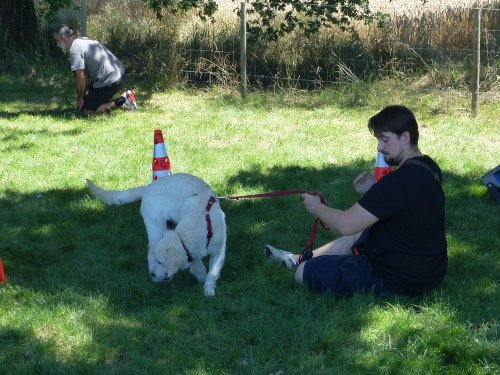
(2,275)
(161,162)
(381,167)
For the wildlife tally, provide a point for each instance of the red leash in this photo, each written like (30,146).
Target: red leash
(307,251)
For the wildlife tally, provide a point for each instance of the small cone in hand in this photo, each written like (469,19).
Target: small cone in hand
(381,167)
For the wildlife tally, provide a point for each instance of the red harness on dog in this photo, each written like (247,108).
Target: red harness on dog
(210,233)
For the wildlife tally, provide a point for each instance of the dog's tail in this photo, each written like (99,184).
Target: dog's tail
(117,197)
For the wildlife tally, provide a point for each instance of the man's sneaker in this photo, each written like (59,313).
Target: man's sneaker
(130,102)
(284,257)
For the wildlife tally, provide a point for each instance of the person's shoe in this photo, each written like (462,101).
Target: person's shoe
(130,102)
(285,258)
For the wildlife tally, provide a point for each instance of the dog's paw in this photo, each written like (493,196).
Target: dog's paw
(209,290)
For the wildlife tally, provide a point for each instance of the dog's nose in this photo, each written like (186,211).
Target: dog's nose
(153,274)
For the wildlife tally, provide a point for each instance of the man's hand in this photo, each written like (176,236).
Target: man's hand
(311,202)
(364,182)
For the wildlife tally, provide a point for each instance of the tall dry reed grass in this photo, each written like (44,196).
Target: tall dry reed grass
(163,51)
(419,40)
(147,45)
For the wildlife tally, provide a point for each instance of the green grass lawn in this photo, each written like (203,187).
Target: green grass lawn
(79,300)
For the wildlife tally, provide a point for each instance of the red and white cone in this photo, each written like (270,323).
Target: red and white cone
(381,167)
(161,162)
(2,274)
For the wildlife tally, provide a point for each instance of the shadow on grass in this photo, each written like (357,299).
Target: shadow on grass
(24,134)
(66,246)
(51,97)
(63,113)
(39,96)
(27,357)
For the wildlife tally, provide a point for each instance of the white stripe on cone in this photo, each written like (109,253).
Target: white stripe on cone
(161,163)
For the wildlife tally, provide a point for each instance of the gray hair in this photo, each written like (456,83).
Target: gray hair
(64,30)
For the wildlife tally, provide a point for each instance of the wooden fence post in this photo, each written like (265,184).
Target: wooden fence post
(476,58)
(243,50)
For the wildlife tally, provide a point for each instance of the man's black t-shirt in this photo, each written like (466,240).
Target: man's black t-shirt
(407,246)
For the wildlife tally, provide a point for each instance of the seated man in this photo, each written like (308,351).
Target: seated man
(98,73)
(393,239)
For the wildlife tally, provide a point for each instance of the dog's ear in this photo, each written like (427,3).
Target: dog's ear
(175,256)
(161,246)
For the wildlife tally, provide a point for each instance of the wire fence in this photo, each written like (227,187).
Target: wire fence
(412,39)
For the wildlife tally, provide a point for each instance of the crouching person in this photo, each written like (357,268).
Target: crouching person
(98,73)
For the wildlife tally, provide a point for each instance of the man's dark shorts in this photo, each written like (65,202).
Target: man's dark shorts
(98,96)
(343,275)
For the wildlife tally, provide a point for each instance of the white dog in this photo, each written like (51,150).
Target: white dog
(200,232)
(177,209)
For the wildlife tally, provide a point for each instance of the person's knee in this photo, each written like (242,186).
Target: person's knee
(344,244)
(106,107)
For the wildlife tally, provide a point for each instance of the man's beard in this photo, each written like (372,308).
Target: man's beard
(392,161)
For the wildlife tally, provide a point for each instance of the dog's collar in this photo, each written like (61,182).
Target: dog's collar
(190,258)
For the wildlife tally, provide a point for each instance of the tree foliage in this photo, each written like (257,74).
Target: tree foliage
(275,18)
(48,8)
(272,19)
(18,19)
(205,8)
(18,24)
